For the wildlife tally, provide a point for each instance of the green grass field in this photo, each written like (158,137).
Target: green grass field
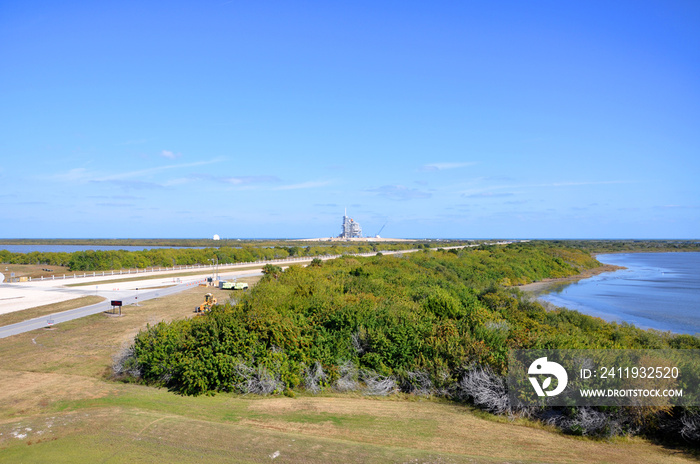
(57,404)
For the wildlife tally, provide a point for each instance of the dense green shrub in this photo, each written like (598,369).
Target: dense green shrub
(424,314)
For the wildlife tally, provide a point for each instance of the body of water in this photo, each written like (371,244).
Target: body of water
(72,248)
(657,290)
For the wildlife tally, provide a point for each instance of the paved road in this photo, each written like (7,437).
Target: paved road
(40,322)
(132,296)
(127,298)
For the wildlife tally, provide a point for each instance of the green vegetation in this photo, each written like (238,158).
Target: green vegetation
(424,323)
(57,404)
(235,251)
(167,257)
(625,246)
(432,313)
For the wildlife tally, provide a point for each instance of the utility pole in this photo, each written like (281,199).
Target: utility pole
(215,268)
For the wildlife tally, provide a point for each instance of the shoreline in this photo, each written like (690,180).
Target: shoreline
(542,285)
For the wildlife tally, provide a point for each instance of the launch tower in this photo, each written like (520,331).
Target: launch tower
(351,229)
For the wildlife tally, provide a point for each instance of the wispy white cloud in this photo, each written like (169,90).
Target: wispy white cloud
(672,207)
(489,195)
(74,175)
(491,190)
(114,197)
(244,180)
(77,175)
(304,185)
(180,181)
(444,166)
(115,205)
(574,184)
(135,142)
(130,184)
(399,192)
(169,154)
(143,172)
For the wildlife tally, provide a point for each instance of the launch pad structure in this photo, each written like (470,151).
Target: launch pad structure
(351,231)
(350,228)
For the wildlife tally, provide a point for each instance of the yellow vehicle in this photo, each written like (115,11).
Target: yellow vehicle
(205,307)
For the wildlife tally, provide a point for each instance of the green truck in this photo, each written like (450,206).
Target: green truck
(233,286)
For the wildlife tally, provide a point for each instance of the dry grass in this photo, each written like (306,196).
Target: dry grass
(25,393)
(85,346)
(57,406)
(35,271)
(141,436)
(442,428)
(38,311)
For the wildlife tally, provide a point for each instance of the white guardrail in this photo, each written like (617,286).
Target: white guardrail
(197,266)
(232,265)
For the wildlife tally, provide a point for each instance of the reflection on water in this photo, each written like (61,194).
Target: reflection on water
(657,290)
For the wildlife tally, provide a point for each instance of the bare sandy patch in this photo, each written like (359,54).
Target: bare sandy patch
(542,285)
(23,392)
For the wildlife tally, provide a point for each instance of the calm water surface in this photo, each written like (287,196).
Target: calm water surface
(657,290)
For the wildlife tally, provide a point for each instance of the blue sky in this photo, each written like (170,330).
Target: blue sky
(266,119)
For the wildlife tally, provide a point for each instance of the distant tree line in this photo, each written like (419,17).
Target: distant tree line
(168,257)
(231,251)
(624,246)
(197,242)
